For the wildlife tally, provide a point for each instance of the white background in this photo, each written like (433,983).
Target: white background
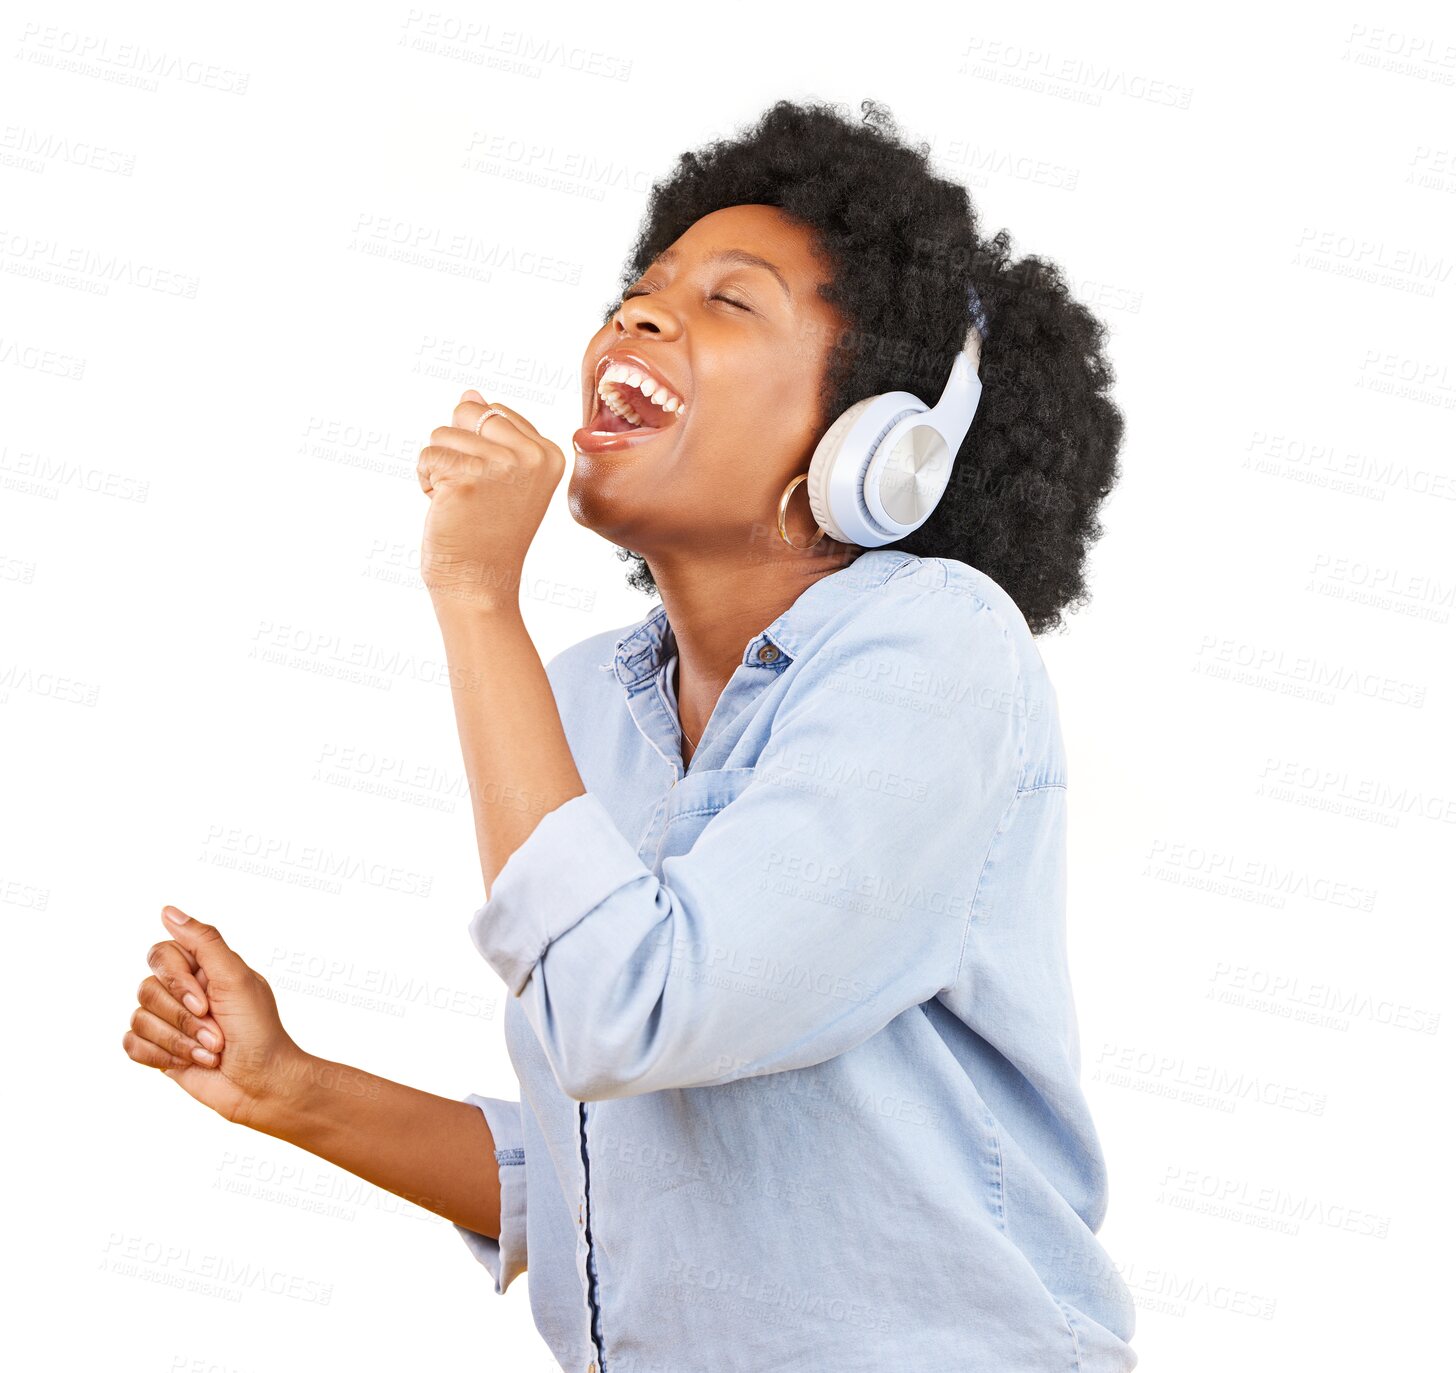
(236,303)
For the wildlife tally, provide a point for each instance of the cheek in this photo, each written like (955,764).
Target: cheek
(774,390)
(790,405)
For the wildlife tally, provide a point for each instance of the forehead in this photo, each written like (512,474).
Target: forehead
(764,230)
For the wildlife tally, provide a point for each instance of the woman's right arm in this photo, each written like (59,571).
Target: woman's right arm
(210,1022)
(431,1150)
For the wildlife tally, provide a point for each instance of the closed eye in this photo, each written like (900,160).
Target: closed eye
(727,299)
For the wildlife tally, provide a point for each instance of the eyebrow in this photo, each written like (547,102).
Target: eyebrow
(740,256)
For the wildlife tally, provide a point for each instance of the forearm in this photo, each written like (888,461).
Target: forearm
(517,759)
(431,1150)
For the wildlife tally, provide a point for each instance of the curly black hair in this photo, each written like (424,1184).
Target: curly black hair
(905,245)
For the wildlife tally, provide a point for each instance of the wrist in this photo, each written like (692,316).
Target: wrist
(475,600)
(292,1101)
(463,607)
(465,584)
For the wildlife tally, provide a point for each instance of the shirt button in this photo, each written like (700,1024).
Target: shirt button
(767,653)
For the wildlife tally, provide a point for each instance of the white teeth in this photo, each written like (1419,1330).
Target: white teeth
(620,375)
(619,407)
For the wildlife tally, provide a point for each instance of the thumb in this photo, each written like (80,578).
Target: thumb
(203,942)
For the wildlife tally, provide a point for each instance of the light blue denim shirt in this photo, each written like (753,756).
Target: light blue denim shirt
(794,1029)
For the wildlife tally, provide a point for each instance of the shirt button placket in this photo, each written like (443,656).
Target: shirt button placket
(583,1247)
(583,1268)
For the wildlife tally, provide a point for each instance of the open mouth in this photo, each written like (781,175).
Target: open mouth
(628,401)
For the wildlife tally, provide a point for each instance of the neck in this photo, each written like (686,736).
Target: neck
(715,608)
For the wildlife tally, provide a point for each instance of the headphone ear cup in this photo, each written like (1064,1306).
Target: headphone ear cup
(826,454)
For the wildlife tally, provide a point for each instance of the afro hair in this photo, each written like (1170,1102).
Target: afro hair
(904,246)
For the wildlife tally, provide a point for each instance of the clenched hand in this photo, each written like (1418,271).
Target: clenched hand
(211,1024)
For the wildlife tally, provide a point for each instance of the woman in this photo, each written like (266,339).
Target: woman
(775,875)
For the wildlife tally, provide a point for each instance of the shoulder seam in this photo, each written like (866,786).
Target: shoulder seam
(1019,694)
(980,878)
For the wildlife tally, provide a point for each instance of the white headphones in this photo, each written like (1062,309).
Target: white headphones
(883,465)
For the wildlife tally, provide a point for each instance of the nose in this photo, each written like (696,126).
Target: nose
(646,316)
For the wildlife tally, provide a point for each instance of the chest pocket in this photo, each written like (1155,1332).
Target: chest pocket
(691,804)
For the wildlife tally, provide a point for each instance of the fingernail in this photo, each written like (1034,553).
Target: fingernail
(208,1038)
(194,1003)
(175,917)
(203,1057)
(475,395)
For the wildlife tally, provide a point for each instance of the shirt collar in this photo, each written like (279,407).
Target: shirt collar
(641,651)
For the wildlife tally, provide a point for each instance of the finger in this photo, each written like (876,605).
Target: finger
(151,1055)
(471,421)
(166,1036)
(472,406)
(156,998)
(518,419)
(450,439)
(203,942)
(454,453)
(176,970)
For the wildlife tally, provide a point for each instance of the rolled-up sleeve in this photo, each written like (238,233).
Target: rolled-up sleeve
(830,894)
(503,1257)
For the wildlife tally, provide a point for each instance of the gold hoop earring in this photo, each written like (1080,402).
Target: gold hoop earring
(783,508)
